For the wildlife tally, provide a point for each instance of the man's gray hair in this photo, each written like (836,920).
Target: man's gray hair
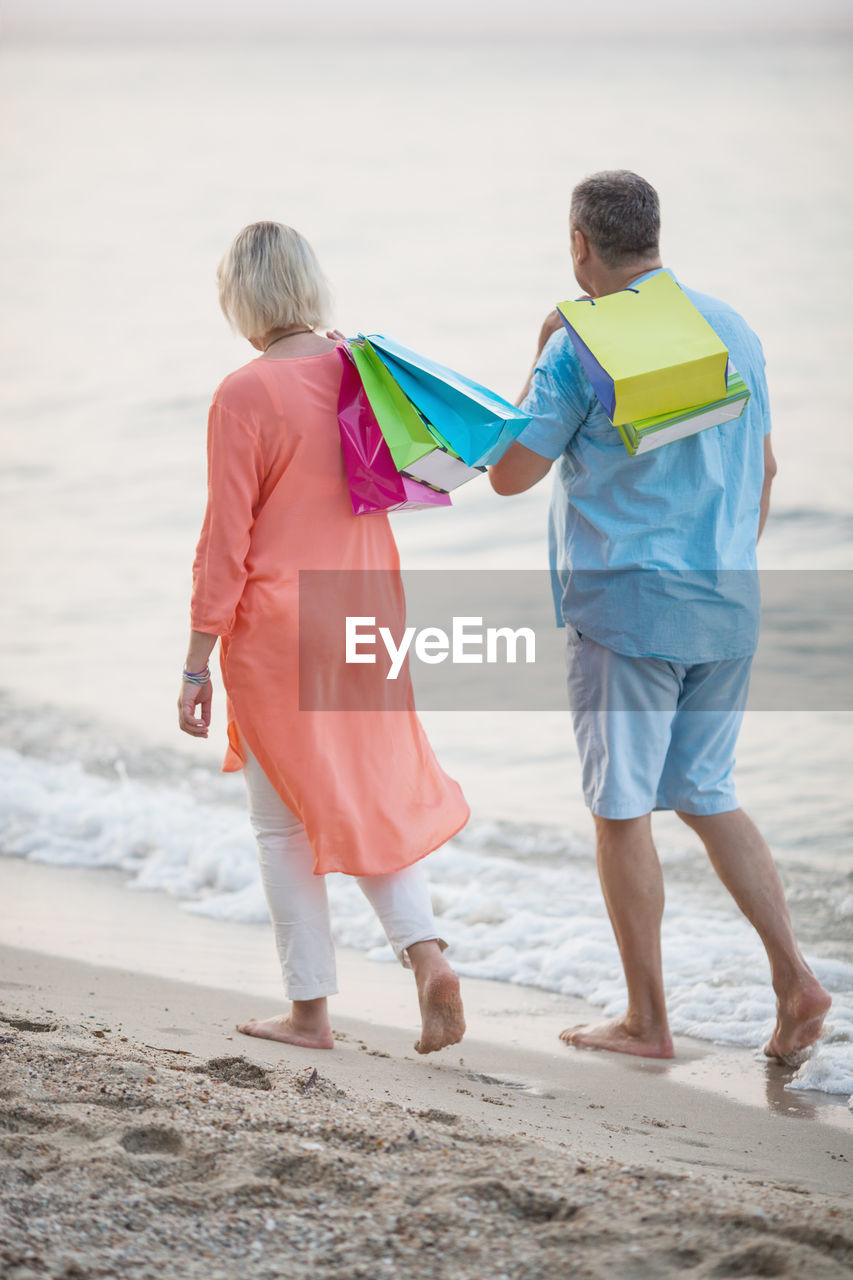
(619,213)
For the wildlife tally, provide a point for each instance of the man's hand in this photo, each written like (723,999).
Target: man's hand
(519,469)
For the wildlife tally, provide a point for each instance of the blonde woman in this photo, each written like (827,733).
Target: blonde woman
(358,792)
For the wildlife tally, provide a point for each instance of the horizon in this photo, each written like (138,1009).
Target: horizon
(206,20)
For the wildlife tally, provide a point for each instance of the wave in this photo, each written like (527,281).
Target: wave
(813,515)
(518,903)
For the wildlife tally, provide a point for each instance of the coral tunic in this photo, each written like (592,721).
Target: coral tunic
(364,782)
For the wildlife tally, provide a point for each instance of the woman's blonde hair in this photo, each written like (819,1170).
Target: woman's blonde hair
(270,279)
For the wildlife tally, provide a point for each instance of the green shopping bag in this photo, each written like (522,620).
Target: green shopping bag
(418,449)
(647,350)
(651,433)
(406,434)
(469,420)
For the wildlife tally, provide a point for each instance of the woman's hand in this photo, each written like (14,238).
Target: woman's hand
(194,696)
(197,692)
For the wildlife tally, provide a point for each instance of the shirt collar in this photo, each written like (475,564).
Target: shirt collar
(647,275)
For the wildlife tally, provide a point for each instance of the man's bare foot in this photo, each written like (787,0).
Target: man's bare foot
(616,1036)
(439,996)
(307,1025)
(799,1022)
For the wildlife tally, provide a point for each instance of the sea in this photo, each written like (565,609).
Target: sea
(433,178)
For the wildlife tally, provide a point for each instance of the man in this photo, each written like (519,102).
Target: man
(660,641)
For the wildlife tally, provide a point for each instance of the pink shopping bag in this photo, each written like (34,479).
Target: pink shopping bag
(375,484)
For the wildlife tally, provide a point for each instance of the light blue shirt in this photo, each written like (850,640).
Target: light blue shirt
(654,556)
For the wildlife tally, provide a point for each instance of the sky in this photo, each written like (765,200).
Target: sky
(239,19)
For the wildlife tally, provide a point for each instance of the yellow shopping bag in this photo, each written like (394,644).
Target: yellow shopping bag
(647,350)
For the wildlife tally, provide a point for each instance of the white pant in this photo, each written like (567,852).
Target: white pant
(297,899)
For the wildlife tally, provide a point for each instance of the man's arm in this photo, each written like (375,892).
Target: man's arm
(770,469)
(550,325)
(519,469)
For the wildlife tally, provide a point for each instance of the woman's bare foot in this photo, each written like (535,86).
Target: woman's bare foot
(307,1025)
(616,1036)
(442,1017)
(799,1022)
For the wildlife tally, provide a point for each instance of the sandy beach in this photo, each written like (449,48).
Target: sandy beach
(142,1136)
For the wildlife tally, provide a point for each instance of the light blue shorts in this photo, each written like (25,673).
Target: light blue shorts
(654,734)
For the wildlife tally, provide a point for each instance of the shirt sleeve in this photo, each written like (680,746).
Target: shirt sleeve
(234,478)
(556,402)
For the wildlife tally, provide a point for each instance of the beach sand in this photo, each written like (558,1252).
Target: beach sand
(142,1136)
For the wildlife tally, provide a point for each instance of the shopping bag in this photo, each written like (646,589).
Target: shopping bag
(407,435)
(418,450)
(650,433)
(468,419)
(647,350)
(442,470)
(419,497)
(375,484)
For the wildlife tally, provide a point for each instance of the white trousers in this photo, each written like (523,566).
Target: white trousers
(298,903)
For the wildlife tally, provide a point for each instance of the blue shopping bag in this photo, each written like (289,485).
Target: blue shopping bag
(474,422)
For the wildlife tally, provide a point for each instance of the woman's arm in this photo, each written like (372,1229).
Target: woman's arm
(196,689)
(219,573)
(235,473)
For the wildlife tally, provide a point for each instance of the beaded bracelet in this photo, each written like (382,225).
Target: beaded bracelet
(196,677)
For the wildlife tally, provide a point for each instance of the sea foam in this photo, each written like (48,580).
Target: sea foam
(510,906)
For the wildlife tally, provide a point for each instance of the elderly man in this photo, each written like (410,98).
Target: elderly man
(660,642)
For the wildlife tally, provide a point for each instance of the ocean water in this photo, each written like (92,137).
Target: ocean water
(434,181)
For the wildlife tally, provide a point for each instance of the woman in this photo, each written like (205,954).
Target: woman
(329,789)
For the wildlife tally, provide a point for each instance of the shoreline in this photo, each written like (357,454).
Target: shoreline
(143,1136)
(516,1090)
(90,916)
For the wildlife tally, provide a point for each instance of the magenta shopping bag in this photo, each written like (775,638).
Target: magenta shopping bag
(375,484)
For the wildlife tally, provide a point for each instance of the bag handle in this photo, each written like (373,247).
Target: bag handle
(627,289)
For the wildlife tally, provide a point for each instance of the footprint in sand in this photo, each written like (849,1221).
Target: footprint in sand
(20,1120)
(237,1072)
(758,1260)
(26,1024)
(150,1140)
(299,1169)
(509,1198)
(438,1116)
